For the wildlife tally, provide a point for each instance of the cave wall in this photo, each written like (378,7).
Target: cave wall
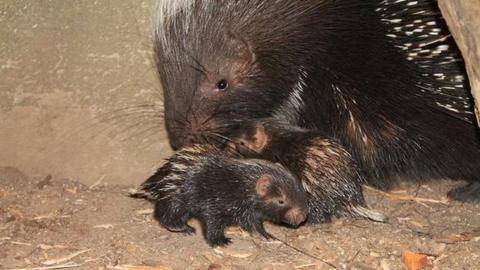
(79,91)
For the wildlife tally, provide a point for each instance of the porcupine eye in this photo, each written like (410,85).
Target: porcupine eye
(281,202)
(222,85)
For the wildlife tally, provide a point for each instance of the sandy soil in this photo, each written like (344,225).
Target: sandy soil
(48,223)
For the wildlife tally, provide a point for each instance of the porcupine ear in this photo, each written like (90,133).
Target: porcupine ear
(241,46)
(263,183)
(260,139)
(257,141)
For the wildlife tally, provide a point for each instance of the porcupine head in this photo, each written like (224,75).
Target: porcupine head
(224,65)
(282,199)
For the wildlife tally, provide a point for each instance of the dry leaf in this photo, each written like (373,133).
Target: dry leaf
(414,261)
(214,266)
(71,190)
(104,226)
(232,253)
(64,259)
(145,212)
(465,236)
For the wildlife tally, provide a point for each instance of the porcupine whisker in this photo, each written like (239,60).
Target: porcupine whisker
(180,122)
(177,129)
(197,69)
(190,105)
(220,136)
(189,109)
(127,111)
(201,103)
(220,139)
(120,122)
(110,130)
(133,127)
(214,139)
(195,117)
(205,139)
(132,107)
(142,132)
(181,119)
(195,60)
(214,113)
(130,116)
(116,121)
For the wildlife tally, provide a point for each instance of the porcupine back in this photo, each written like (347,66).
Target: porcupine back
(203,173)
(418,29)
(433,119)
(169,179)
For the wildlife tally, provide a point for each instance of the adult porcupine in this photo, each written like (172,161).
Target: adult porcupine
(383,79)
(220,190)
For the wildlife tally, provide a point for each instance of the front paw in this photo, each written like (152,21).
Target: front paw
(467,193)
(188,230)
(219,241)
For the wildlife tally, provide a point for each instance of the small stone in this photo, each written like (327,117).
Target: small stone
(386,264)
(455,218)
(438,248)
(374,254)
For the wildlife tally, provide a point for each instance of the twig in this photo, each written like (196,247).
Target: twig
(406,197)
(62,266)
(50,216)
(304,266)
(21,243)
(98,182)
(354,256)
(305,253)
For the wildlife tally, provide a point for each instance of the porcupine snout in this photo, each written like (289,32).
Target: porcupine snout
(190,132)
(295,216)
(183,138)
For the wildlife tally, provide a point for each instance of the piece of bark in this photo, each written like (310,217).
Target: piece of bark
(463,19)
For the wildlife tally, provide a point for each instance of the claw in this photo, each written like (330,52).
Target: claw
(261,230)
(219,241)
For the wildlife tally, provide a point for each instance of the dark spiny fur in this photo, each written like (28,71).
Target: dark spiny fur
(220,190)
(381,80)
(318,162)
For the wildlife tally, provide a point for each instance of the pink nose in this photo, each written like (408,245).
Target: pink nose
(295,216)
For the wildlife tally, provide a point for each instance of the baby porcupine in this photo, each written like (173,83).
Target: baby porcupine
(220,190)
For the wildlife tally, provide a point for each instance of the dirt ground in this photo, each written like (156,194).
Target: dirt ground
(48,223)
